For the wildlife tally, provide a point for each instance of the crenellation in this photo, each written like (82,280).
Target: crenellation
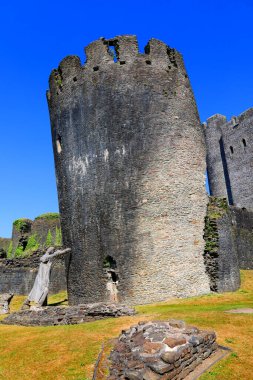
(156,52)
(97,54)
(216,120)
(69,68)
(126,47)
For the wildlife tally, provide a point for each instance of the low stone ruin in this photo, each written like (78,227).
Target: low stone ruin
(5,300)
(160,351)
(67,315)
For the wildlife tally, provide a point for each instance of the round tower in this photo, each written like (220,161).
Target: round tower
(130,165)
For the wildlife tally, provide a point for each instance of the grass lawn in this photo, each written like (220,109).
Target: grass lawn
(69,352)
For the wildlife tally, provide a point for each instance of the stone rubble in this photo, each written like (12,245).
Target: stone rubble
(160,351)
(67,315)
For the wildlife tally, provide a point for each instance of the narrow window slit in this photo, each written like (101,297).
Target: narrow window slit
(113,52)
(231,149)
(244,143)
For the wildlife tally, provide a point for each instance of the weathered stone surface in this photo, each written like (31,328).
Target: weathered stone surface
(4,246)
(229,158)
(158,361)
(173,342)
(130,164)
(69,315)
(220,252)
(242,221)
(18,275)
(5,300)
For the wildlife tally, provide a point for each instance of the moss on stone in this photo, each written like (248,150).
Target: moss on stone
(216,208)
(49,216)
(22,224)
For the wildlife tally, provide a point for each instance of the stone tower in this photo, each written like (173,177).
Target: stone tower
(130,164)
(230,158)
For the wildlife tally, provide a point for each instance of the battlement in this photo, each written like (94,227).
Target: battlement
(215,121)
(219,120)
(119,51)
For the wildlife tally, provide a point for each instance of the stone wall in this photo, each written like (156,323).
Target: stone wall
(130,164)
(230,158)
(17,275)
(4,246)
(29,235)
(243,225)
(220,253)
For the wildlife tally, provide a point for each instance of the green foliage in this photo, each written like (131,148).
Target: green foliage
(58,237)
(217,207)
(9,252)
(48,216)
(32,244)
(22,224)
(19,251)
(49,239)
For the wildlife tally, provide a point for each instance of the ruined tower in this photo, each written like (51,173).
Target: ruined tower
(230,158)
(130,164)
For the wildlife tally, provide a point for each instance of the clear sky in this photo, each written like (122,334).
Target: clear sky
(215,38)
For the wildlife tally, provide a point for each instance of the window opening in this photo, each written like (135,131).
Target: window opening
(244,143)
(110,267)
(112,51)
(58,144)
(231,149)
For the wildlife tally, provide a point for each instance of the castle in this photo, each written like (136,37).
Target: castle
(130,157)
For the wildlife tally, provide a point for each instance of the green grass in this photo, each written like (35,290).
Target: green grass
(69,352)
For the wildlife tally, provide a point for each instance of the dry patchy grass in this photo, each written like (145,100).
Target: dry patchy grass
(69,352)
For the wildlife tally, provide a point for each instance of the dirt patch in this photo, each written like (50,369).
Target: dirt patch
(239,311)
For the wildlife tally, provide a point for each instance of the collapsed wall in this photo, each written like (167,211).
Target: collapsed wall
(17,275)
(29,236)
(4,246)
(220,254)
(130,164)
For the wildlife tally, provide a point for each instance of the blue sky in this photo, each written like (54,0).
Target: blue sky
(215,38)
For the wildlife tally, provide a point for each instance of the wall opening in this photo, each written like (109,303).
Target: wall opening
(225,171)
(110,267)
(231,149)
(244,143)
(113,52)
(58,144)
